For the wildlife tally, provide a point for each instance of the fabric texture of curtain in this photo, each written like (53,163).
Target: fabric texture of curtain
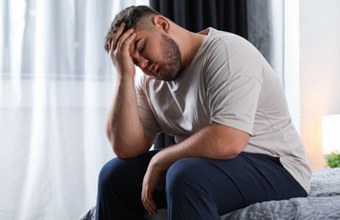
(56,83)
(196,15)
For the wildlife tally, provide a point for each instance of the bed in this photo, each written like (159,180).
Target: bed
(323,202)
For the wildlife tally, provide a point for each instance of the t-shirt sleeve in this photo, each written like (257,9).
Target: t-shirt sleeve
(150,125)
(233,88)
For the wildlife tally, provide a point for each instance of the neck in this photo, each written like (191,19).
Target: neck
(188,43)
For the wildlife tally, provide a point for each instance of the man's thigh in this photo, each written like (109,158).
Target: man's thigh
(239,182)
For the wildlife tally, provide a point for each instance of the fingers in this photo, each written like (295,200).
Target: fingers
(122,39)
(148,203)
(147,192)
(119,51)
(126,40)
(114,41)
(119,32)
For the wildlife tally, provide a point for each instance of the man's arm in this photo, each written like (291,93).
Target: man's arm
(214,142)
(124,128)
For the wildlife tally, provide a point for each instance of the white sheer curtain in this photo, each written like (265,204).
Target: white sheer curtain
(55,88)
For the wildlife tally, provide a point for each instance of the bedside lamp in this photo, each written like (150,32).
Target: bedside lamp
(331,133)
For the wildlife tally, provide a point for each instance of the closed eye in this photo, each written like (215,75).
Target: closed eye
(140,44)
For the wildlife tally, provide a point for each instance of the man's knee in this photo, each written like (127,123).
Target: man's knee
(124,173)
(182,176)
(112,170)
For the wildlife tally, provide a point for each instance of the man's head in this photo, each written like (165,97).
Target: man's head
(132,17)
(156,53)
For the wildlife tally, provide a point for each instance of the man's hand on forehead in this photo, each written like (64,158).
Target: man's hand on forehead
(119,49)
(120,36)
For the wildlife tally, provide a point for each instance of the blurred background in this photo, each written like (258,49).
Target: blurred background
(56,83)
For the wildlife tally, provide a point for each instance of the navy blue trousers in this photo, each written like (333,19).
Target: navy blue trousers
(195,188)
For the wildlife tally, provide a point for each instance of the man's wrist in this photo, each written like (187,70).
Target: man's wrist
(126,76)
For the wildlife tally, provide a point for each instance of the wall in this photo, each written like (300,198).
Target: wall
(320,71)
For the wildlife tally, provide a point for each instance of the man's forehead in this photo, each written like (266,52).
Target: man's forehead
(141,34)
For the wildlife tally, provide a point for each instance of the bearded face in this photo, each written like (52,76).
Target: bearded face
(172,59)
(157,55)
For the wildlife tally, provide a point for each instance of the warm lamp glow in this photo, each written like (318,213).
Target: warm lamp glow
(331,133)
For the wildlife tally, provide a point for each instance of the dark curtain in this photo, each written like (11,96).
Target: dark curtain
(196,15)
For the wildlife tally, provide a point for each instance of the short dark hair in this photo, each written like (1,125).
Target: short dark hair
(130,16)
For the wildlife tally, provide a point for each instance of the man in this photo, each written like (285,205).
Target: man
(235,141)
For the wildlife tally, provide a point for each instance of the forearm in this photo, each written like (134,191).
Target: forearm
(213,142)
(124,128)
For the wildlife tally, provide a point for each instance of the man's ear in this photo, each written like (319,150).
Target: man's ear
(161,22)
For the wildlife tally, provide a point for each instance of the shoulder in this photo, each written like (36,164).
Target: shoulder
(217,38)
(232,55)
(225,46)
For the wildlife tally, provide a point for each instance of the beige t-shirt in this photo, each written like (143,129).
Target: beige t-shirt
(230,83)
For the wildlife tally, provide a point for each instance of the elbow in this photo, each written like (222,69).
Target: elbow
(121,152)
(124,147)
(126,152)
(232,151)
(118,150)
(122,155)
(237,149)
(230,141)
(232,155)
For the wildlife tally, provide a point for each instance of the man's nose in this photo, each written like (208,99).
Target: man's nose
(143,62)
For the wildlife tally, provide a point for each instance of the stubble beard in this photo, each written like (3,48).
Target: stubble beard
(172,57)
